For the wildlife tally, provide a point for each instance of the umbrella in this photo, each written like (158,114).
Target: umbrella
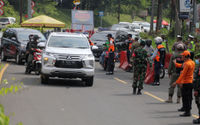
(163,22)
(43,21)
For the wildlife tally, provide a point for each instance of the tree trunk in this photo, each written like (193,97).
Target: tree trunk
(177,20)
(159,15)
(152,15)
(119,6)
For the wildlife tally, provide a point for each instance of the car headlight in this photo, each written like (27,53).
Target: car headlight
(88,61)
(48,59)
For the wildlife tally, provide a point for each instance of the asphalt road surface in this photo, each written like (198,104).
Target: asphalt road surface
(108,102)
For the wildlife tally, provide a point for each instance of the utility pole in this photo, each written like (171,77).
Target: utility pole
(21,10)
(152,15)
(194,15)
(29,9)
(119,6)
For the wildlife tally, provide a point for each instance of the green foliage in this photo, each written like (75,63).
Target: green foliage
(4,120)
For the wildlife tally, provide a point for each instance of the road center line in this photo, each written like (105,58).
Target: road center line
(121,81)
(2,71)
(151,95)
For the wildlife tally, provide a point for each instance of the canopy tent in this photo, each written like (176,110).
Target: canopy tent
(44,22)
(165,23)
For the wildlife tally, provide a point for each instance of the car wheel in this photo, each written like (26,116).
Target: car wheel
(18,60)
(89,81)
(44,79)
(3,57)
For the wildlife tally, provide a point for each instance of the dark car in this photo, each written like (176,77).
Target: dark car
(99,39)
(14,41)
(121,37)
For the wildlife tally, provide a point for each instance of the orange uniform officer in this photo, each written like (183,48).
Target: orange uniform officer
(185,80)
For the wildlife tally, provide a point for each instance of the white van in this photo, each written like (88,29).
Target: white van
(6,20)
(68,55)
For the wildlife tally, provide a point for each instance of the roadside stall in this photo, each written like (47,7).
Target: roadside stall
(43,21)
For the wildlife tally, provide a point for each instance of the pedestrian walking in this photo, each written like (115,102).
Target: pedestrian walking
(197,87)
(185,80)
(174,73)
(159,59)
(140,64)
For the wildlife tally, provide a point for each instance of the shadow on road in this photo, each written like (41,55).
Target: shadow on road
(54,82)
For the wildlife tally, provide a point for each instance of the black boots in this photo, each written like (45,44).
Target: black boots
(186,114)
(139,92)
(134,90)
(196,121)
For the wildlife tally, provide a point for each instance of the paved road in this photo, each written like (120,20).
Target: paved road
(108,102)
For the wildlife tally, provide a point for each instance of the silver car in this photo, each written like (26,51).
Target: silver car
(68,55)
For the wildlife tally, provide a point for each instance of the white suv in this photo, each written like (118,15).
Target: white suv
(6,20)
(68,55)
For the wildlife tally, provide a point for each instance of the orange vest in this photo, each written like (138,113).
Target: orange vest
(111,45)
(130,44)
(157,58)
(91,43)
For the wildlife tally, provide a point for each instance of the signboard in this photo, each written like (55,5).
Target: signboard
(82,17)
(76,2)
(143,13)
(185,5)
(101,13)
(1,4)
(82,20)
(1,12)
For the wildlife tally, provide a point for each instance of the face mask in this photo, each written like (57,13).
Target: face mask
(197,61)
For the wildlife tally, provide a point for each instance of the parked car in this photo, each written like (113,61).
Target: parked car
(6,20)
(146,26)
(14,41)
(99,39)
(68,55)
(116,27)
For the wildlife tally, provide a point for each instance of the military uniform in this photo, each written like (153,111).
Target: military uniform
(174,73)
(140,65)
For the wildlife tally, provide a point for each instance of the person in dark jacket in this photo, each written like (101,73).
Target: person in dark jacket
(197,87)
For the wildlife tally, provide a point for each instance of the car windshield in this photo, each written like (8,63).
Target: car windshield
(146,25)
(99,37)
(68,42)
(4,20)
(118,26)
(24,36)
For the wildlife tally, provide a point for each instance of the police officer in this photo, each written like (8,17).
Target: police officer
(140,65)
(31,49)
(111,56)
(159,59)
(174,73)
(191,46)
(197,87)
(185,80)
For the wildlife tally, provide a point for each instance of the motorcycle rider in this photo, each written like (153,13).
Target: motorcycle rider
(31,49)
(159,59)
(27,46)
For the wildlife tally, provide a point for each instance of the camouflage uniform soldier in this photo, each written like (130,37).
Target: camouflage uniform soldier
(140,65)
(174,73)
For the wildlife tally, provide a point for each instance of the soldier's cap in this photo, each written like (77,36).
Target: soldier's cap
(186,53)
(180,46)
(190,36)
(179,36)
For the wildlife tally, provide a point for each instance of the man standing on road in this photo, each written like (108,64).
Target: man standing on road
(185,80)
(148,47)
(129,45)
(174,73)
(159,59)
(197,88)
(191,46)
(140,65)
